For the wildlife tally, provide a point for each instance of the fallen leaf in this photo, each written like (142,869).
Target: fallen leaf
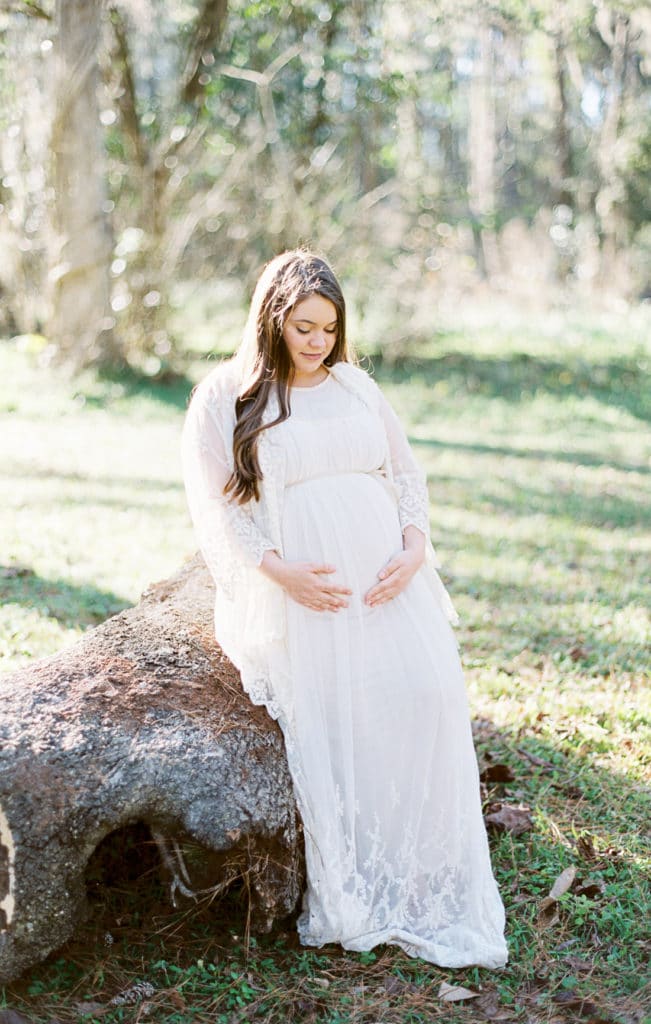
(455,993)
(578,652)
(497,773)
(571,1000)
(509,818)
(548,907)
(489,1004)
(89,1007)
(585,846)
(562,883)
(176,999)
(591,889)
(307,1008)
(548,914)
(8,1016)
(393,985)
(576,963)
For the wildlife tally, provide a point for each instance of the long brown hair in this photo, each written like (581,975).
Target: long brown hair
(264,360)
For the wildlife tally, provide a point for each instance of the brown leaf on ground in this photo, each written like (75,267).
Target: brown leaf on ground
(8,1016)
(539,762)
(578,652)
(497,773)
(571,1000)
(509,818)
(176,999)
(393,985)
(548,908)
(488,1003)
(455,993)
(585,846)
(593,888)
(576,963)
(89,1007)
(308,1008)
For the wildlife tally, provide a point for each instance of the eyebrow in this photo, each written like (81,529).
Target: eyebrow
(304,320)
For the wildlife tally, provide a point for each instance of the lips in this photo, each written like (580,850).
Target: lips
(312,356)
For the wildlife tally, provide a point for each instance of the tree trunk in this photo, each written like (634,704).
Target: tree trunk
(563,186)
(81,323)
(481,155)
(144,720)
(611,190)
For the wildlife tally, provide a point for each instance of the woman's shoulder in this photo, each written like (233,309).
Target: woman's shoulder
(351,373)
(355,377)
(218,386)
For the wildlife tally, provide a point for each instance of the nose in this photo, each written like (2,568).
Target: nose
(317,341)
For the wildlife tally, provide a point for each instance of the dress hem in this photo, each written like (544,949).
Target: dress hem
(414,946)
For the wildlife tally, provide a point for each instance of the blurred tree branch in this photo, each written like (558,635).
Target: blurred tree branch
(28,7)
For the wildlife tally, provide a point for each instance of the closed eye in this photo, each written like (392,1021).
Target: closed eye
(305,330)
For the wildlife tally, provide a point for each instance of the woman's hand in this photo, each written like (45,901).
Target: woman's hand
(306,583)
(398,572)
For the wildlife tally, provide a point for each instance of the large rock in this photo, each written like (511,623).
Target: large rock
(144,720)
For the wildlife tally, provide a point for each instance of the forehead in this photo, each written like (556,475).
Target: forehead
(315,308)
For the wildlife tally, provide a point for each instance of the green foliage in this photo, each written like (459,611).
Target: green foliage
(366,129)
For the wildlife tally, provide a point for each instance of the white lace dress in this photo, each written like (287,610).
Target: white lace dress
(372,701)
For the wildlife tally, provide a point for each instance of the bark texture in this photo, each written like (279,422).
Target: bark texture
(143,720)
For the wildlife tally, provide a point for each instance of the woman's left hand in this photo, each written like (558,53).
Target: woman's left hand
(395,576)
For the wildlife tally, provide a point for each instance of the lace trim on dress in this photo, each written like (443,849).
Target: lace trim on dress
(413,501)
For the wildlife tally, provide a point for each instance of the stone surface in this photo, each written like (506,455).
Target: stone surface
(143,720)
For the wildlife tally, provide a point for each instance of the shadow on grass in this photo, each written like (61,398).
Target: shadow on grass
(621,382)
(578,458)
(141,483)
(70,605)
(500,495)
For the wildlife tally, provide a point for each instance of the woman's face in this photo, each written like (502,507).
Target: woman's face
(310,333)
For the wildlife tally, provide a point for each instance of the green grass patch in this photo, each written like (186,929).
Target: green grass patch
(536,436)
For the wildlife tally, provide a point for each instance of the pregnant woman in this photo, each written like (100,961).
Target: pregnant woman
(312,516)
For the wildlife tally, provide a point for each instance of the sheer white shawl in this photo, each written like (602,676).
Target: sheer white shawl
(250,617)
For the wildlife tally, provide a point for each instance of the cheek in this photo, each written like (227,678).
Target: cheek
(291,340)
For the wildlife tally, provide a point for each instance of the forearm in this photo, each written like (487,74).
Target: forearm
(274,567)
(414,540)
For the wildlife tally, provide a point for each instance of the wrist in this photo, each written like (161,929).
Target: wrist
(414,541)
(273,566)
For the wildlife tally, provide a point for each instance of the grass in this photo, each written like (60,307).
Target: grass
(537,440)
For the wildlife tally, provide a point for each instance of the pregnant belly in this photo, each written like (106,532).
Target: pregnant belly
(349,520)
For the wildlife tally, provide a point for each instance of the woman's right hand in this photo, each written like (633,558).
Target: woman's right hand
(306,582)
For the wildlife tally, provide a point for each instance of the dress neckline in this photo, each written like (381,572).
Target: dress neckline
(312,387)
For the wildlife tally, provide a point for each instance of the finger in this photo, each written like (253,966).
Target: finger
(380,593)
(388,570)
(315,567)
(375,594)
(390,582)
(332,591)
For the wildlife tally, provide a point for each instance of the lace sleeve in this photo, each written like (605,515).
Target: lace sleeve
(227,533)
(409,478)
